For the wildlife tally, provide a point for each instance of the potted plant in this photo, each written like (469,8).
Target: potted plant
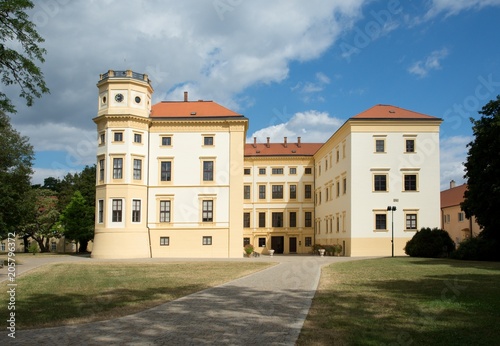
(338,249)
(248,249)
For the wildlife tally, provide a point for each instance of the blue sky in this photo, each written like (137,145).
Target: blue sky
(294,68)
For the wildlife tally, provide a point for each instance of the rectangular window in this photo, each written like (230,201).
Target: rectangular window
(293,219)
(308,170)
(307,191)
(166,170)
(308,241)
(338,155)
(166,141)
(338,189)
(411,221)
(410,182)
(410,145)
(208,140)
(164,211)
(100,211)
(262,220)
(3,247)
(379,145)
(246,171)
(293,170)
(246,220)
(101,170)
(277,191)
(117,168)
(262,171)
(208,170)
(136,210)
(293,191)
(308,219)
(380,182)
(103,138)
(381,221)
(207,240)
(277,171)
(262,191)
(344,186)
(246,241)
(246,192)
(338,224)
(118,136)
(262,242)
(137,169)
(117,210)
(277,219)
(53,246)
(164,241)
(461,216)
(137,138)
(208,211)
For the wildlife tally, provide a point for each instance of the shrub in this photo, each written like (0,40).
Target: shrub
(33,248)
(477,249)
(431,243)
(248,249)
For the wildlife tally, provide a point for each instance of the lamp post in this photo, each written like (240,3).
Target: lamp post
(392,209)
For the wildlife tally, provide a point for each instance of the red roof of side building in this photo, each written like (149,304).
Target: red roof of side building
(453,196)
(390,112)
(190,109)
(281,149)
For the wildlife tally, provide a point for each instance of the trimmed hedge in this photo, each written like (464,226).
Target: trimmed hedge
(430,243)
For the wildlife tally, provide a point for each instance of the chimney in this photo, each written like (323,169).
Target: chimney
(255,142)
(285,143)
(452,184)
(267,145)
(298,142)
(185,96)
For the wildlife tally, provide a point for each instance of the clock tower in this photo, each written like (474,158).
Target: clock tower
(124,106)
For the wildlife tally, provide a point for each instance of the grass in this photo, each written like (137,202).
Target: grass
(72,293)
(403,301)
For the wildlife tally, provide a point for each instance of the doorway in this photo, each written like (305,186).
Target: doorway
(293,245)
(277,244)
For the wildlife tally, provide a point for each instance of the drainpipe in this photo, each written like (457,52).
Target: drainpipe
(147,191)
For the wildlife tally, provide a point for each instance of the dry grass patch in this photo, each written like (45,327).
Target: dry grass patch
(73,293)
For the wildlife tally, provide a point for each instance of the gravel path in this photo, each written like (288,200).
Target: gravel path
(265,308)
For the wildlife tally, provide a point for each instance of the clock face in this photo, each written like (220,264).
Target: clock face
(119,97)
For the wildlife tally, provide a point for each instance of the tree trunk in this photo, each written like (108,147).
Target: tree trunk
(83,246)
(25,242)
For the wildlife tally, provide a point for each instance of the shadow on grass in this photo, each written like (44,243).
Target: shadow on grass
(456,263)
(222,315)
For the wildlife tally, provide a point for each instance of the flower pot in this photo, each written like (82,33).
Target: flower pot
(271,252)
(321,252)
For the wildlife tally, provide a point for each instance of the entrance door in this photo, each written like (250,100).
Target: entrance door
(293,244)
(277,244)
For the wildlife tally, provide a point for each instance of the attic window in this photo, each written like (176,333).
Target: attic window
(193,113)
(391,111)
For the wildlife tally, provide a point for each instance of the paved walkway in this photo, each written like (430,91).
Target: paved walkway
(265,308)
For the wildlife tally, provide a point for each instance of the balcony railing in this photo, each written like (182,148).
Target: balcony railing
(125,74)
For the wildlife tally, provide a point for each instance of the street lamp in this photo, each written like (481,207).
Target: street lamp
(392,209)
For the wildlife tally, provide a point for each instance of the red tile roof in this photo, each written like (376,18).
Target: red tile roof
(190,109)
(279,149)
(390,112)
(453,196)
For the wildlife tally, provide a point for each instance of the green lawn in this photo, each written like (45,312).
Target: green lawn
(80,292)
(406,301)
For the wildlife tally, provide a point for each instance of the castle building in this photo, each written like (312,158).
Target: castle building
(176,179)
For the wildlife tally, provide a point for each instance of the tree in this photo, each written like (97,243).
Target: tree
(78,221)
(16,157)
(41,219)
(19,48)
(482,197)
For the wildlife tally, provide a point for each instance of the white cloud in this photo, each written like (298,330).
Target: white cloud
(453,7)
(453,153)
(422,67)
(312,126)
